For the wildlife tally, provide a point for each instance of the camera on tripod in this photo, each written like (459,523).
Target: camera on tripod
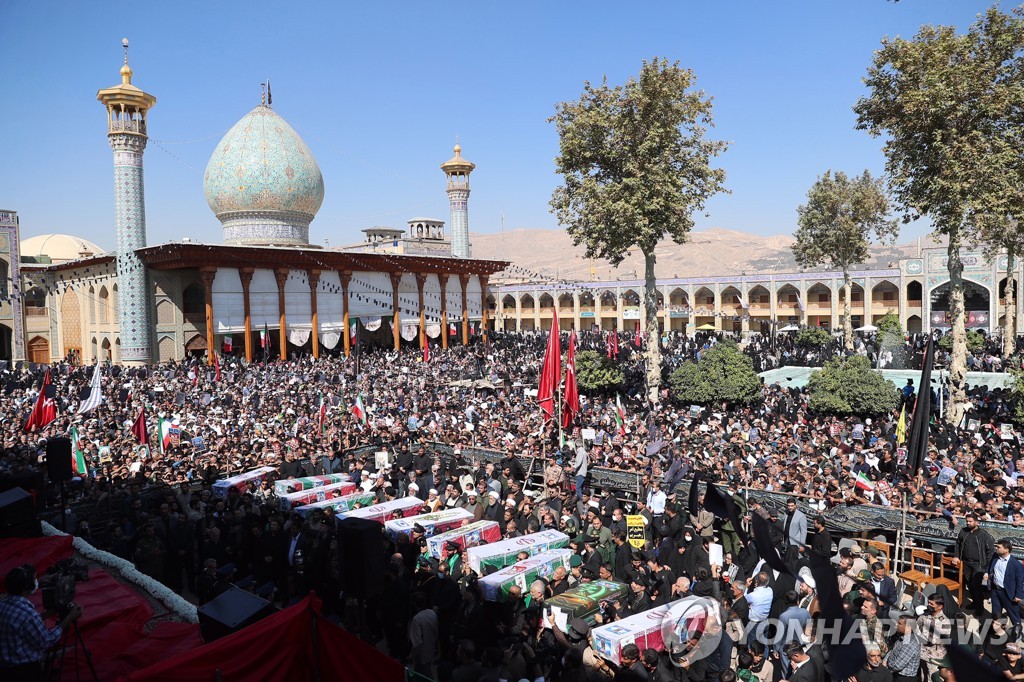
(59,583)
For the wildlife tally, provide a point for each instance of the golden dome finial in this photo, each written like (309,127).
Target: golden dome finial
(126,71)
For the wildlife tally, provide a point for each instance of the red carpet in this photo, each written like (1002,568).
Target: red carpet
(40,552)
(112,620)
(293,645)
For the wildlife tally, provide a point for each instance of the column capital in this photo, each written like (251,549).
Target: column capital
(396,278)
(207,274)
(346,277)
(245,274)
(464,279)
(314,278)
(442,278)
(281,275)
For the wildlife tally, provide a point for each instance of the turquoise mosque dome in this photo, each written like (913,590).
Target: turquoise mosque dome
(263,183)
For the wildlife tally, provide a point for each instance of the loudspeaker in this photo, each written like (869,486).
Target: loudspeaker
(17,515)
(58,459)
(30,480)
(232,610)
(361,557)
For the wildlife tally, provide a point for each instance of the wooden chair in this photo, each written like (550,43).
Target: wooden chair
(886,552)
(955,587)
(919,558)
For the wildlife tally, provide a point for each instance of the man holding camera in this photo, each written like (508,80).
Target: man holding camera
(24,637)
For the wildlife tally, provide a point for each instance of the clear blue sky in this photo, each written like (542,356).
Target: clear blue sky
(380,90)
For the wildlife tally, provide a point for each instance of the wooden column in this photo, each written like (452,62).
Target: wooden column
(396,319)
(464,280)
(208,274)
(346,277)
(314,280)
(281,274)
(483,303)
(442,278)
(245,274)
(421,279)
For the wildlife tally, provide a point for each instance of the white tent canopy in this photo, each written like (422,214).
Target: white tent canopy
(790,328)
(867,328)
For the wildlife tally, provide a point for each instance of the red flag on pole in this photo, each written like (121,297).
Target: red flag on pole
(637,339)
(551,372)
(426,352)
(615,344)
(228,343)
(45,410)
(216,368)
(572,393)
(608,343)
(139,429)
(452,331)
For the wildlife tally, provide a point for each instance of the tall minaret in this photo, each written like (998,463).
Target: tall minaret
(458,169)
(127,107)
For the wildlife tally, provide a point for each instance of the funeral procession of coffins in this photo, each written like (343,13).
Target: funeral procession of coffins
(637,446)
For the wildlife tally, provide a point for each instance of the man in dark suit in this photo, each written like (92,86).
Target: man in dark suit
(802,667)
(1006,580)
(885,589)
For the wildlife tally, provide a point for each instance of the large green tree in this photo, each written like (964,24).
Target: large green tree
(635,161)
(848,386)
(943,101)
(836,224)
(597,373)
(722,375)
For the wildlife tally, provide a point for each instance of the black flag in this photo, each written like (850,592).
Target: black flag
(765,547)
(848,652)
(723,507)
(919,426)
(694,492)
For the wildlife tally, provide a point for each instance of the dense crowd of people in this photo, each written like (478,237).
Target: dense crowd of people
(158,509)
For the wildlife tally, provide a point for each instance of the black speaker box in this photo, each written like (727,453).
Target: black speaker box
(232,610)
(30,480)
(361,553)
(17,515)
(58,459)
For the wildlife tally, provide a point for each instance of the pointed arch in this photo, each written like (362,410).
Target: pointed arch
(103,305)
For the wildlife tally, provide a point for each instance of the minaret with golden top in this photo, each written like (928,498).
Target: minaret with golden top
(457,169)
(127,107)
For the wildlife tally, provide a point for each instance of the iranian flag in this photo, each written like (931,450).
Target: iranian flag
(165,433)
(863,482)
(353,333)
(228,344)
(620,415)
(452,331)
(78,457)
(358,410)
(323,414)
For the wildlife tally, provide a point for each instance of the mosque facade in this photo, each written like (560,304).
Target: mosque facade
(264,291)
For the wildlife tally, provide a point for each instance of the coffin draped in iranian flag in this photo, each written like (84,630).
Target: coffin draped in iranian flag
(299,498)
(386,511)
(495,586)
(584,600)
(343,503)
(241,482)
(465,536)
(676,622)
(433,523)
(292,485)
(487,559)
